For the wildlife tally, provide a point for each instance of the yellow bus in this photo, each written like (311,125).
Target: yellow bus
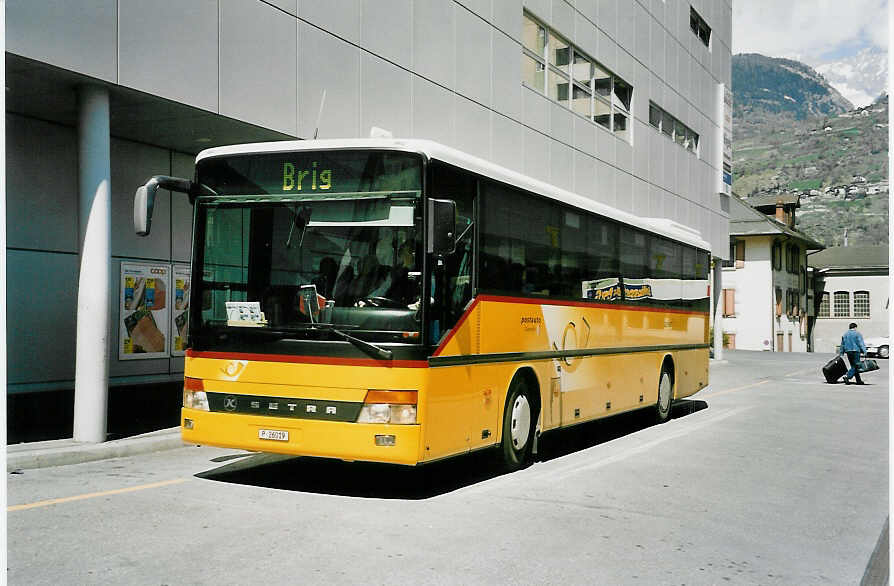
(400,301)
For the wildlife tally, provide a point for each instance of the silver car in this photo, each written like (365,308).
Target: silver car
(877,346)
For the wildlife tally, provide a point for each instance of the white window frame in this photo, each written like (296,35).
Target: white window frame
(867,312)
(836,304)
(827,298)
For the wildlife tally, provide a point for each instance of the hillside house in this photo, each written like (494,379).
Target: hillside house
(851,285)
(766,300)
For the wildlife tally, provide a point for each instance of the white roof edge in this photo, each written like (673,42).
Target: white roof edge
(434,150)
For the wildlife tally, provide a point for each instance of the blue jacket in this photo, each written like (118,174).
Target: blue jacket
(852,341)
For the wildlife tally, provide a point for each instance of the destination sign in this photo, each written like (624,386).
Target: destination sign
(305,179)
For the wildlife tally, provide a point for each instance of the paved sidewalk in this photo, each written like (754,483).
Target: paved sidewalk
(67,451)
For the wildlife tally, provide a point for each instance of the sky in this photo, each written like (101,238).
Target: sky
(836,37)
(812,31)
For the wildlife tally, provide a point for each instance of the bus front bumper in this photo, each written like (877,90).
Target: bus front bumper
(326,439)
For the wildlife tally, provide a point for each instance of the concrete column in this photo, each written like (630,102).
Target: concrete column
(717,292)
(95,211)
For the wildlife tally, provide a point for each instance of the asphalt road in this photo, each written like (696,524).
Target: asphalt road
(768,476)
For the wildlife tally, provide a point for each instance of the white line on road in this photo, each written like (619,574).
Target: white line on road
(683,429)
(724,392)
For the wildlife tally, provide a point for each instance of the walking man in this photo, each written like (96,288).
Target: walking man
(852,344)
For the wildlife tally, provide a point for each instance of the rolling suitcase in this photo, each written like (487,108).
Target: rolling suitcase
(834,369)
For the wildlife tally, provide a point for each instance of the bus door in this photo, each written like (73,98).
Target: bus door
(455,395)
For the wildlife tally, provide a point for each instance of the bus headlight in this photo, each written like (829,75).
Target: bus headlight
(194,396)
(375,413)
(397,407)
(403,414)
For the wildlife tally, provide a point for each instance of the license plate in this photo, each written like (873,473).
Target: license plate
(273,434)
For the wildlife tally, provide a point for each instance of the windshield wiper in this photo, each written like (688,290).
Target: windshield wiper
(302,216)
(369,348)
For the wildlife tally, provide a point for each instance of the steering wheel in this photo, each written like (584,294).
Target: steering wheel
(383,302)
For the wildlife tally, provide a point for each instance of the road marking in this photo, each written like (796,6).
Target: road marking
(575,468)
(742,388)
(91,495)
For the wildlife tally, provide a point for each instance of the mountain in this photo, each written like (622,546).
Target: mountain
(861,78)
(837,164)
(767,90)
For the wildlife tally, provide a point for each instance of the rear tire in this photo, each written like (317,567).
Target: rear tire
(518,426)
(665,396)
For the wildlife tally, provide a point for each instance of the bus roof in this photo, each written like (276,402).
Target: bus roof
(440,152)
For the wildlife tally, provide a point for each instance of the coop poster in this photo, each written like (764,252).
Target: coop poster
(180,311)
(144,321)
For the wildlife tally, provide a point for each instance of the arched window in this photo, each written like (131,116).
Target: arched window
(842,304)
(861,303)
(823,310)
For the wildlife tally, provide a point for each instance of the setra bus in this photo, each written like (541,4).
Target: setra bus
(400,301)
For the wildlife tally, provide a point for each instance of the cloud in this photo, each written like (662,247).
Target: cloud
(811,30)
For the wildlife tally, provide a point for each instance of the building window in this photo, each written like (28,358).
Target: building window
(729,302)
(777,256)
(554,67)
(740,254)
(861,304)
(823,310)
(673,128)
(778,301)
(699,27)
(842,304)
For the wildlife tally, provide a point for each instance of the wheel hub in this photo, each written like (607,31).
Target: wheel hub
(520,427)
(664,393)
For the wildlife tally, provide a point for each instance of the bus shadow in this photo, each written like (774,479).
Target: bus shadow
(556,444)
(387,481)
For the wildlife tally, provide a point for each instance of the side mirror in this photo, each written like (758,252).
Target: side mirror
(143,205)
(441,226)
(144,198)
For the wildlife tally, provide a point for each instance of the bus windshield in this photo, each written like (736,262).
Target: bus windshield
(316,241)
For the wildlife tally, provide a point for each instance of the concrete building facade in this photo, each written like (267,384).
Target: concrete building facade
(623,102)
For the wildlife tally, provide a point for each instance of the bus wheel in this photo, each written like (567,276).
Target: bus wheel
(665,396)
(517,426)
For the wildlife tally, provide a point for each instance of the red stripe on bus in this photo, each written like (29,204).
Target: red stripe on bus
(307,359)
(459,323)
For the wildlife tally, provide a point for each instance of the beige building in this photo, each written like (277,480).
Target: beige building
(852,285)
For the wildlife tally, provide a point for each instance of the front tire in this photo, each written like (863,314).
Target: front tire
(665,396)
(518,426)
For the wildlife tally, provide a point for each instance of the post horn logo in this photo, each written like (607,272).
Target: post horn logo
(234,368)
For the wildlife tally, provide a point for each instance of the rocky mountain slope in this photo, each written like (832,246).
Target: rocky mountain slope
(768,91)
(811,143)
